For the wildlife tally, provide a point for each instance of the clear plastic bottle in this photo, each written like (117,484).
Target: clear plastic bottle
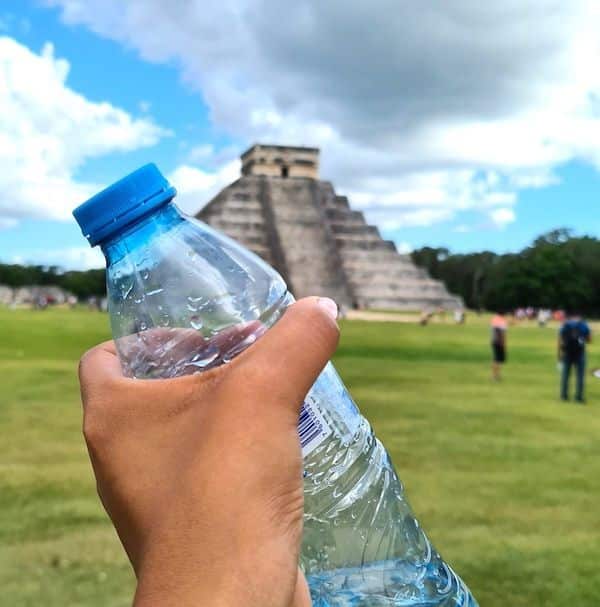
(184,298)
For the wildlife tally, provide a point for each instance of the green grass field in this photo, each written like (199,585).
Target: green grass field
(504,478)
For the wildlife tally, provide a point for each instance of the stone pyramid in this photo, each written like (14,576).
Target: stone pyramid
(281,210)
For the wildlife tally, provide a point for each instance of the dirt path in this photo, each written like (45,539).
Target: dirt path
(382,316)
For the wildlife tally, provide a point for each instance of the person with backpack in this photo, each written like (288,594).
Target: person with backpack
(573,336)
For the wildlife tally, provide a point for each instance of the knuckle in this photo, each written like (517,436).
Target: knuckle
(94,428)
(286,504)
(84,363)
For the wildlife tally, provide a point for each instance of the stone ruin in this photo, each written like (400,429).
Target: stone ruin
(281,210)
(31,294)
(6,295)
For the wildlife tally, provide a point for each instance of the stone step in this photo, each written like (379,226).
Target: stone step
(236,206)
(238,217)
(379,255)
(407,303)
(334,215)
(407,280)
(372,272)
(350,229)
(238,223)
(385,291)
(337,202)
(364,243)
(244,195)
(262,251)
(389,264)
(250,239)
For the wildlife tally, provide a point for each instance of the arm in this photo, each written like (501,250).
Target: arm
(202,475)
(560,348)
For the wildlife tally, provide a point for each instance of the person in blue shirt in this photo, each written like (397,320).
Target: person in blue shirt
(572,338)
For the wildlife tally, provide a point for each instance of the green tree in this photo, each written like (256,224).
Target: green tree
(558,270)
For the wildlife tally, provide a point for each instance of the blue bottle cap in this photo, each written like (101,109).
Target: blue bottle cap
(122,203)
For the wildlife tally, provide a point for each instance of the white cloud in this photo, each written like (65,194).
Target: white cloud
(421,109)
(463,228)
(7,222)
(502,217)
(47,131)
(404,247)
(533,179)
(196,187)
(202,153)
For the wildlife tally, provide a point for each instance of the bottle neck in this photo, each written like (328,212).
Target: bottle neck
(141,232)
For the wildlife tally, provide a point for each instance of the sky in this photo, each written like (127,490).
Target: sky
(464,124)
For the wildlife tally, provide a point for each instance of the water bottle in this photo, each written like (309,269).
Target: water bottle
(184,298)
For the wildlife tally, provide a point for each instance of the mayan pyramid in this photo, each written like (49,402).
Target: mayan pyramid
(281,210)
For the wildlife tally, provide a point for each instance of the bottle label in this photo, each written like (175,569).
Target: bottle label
(312,426)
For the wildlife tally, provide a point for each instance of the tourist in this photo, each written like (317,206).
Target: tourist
(426,316)
(499,327)
(572,338)
(543,317)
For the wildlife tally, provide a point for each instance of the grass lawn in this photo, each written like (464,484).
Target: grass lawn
(505,479)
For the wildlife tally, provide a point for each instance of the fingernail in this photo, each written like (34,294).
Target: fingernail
(329,305)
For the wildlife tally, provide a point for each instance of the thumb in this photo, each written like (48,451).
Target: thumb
(287,360)
(99,366)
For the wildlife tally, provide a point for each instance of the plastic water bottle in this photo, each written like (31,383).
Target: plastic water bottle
(184,298)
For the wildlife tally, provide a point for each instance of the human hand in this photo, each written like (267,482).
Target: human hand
(202,475)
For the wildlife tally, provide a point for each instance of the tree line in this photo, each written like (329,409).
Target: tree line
(557,271)
(84,284)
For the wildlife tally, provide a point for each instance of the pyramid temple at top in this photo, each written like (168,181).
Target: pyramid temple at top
(281,210)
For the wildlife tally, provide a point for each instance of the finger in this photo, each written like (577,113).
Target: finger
(287,360)
(99,365)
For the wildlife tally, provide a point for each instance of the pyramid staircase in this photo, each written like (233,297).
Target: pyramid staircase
(320,245)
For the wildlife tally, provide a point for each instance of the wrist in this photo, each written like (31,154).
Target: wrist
(164,589)
(170,576)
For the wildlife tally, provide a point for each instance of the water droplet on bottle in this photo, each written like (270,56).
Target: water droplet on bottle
(145,274)
(126,289)
(138,299)
(196,322)
(143,326)
(205,357)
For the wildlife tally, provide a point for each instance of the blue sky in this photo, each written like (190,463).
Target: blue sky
(435,150)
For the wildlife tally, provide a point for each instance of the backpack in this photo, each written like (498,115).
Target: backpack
(573,340)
